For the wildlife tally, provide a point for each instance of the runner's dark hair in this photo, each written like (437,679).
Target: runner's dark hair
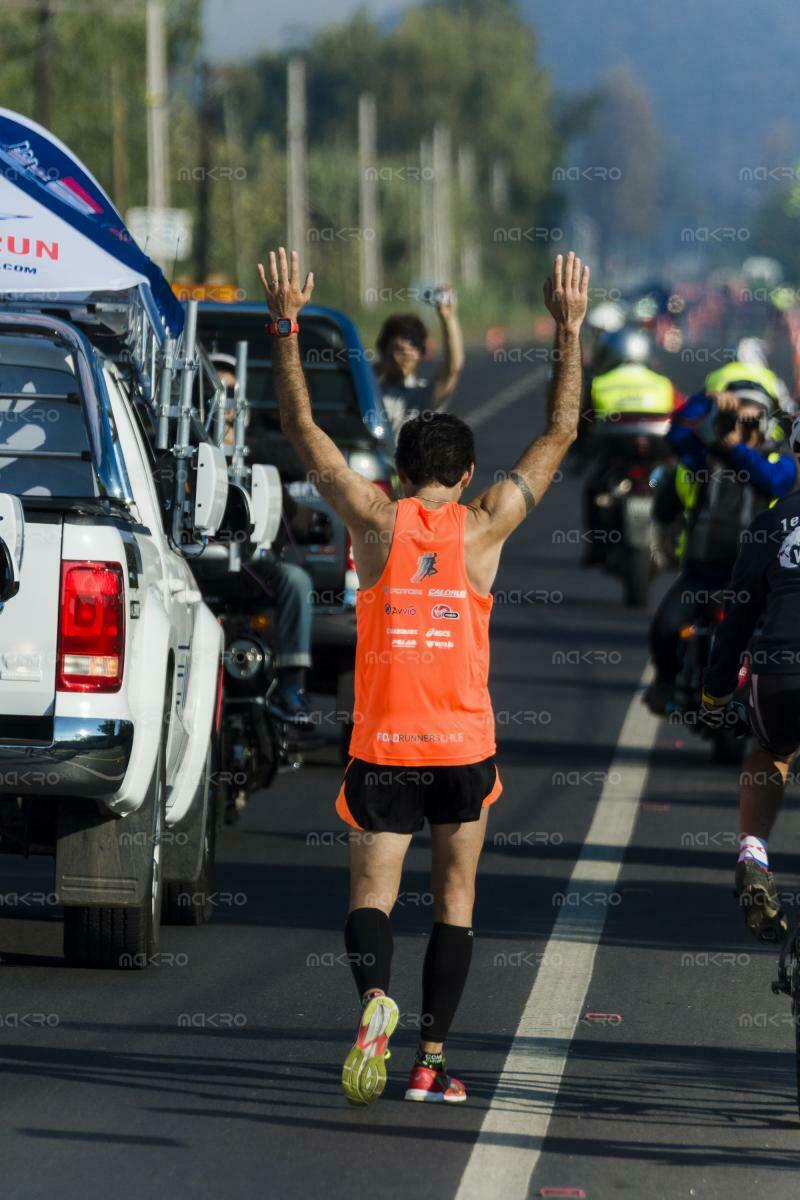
(435,447)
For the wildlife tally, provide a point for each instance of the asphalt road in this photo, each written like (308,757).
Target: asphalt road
(216,1073)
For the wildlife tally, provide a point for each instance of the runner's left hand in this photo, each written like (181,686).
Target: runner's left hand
(285,297)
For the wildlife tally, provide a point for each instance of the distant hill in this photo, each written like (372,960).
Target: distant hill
(723,74)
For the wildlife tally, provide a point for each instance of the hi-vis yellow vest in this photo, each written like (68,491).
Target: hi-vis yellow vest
(631,388)
(735,372)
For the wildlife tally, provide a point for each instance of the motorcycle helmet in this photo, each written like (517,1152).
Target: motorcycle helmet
(626,345)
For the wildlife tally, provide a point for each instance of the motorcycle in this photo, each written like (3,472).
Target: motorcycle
(624,492)
(253,743)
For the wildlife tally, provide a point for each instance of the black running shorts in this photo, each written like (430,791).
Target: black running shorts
(774,702)
(400,799)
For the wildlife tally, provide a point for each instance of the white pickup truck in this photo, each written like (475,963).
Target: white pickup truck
(109,659)
(113,471)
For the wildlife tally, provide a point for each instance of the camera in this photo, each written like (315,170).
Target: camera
(437,296)
(725,422)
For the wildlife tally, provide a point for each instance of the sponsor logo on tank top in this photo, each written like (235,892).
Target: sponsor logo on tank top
(438,738)
(401,632)
(390,591)
(426,566)
(443,612)
(449,593)
(394,610)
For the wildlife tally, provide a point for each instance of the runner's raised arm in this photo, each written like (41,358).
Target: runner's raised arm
(506,504)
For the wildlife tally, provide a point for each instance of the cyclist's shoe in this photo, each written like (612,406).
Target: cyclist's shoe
(659,698)
(364,1070)
(759,902)
(435,1087)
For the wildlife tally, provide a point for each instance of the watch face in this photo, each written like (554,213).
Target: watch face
(284,326)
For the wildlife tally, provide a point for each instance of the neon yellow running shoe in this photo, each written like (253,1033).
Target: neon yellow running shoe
(364,1070)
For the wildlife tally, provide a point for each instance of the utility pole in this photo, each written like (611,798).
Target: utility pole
(442,213)
(499,187)
(370,244)
(233,142)
(427,263)
(204,189)
(157,130)
(119,154)
(43,64)
(296,183)
(471,273)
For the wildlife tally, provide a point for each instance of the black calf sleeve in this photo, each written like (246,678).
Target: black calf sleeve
(444,974)
(368,940)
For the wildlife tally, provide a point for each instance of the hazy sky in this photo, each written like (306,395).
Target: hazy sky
(234,26)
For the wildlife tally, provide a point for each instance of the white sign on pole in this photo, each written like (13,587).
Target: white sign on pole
(163,233)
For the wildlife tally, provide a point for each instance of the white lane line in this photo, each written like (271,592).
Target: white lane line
(510,1140)
(514,391)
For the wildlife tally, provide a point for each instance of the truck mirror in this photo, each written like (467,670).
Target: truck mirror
(211,488)
(267,501)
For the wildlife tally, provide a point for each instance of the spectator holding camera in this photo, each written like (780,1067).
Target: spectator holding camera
(402,344)
(730,468)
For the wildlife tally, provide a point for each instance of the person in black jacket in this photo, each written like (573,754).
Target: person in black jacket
(763,612)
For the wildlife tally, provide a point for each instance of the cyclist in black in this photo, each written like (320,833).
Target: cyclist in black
(762,611)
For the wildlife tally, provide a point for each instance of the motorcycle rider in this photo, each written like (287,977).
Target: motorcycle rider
(729,469)
(623,385)
(764,591)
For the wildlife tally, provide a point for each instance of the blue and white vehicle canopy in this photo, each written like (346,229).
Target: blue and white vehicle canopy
(60,234)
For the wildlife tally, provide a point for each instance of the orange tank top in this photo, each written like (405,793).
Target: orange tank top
(422,659)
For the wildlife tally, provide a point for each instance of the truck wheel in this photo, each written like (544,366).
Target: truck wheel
(123,937)
(637,577)
(190,902)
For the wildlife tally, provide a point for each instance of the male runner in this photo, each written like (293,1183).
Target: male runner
(423,743)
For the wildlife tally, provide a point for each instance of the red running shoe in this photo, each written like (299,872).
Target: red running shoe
(434,1087)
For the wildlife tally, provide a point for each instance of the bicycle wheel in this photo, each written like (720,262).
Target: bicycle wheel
(794,981)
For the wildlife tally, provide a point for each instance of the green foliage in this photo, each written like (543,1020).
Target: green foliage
(776,229)
(97,68)
(470,65)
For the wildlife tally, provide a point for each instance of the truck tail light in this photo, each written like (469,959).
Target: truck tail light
(91,630)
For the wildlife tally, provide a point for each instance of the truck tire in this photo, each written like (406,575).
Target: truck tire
(190,902)
(118,937)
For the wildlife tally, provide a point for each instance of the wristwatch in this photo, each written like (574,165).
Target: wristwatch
(282,327)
